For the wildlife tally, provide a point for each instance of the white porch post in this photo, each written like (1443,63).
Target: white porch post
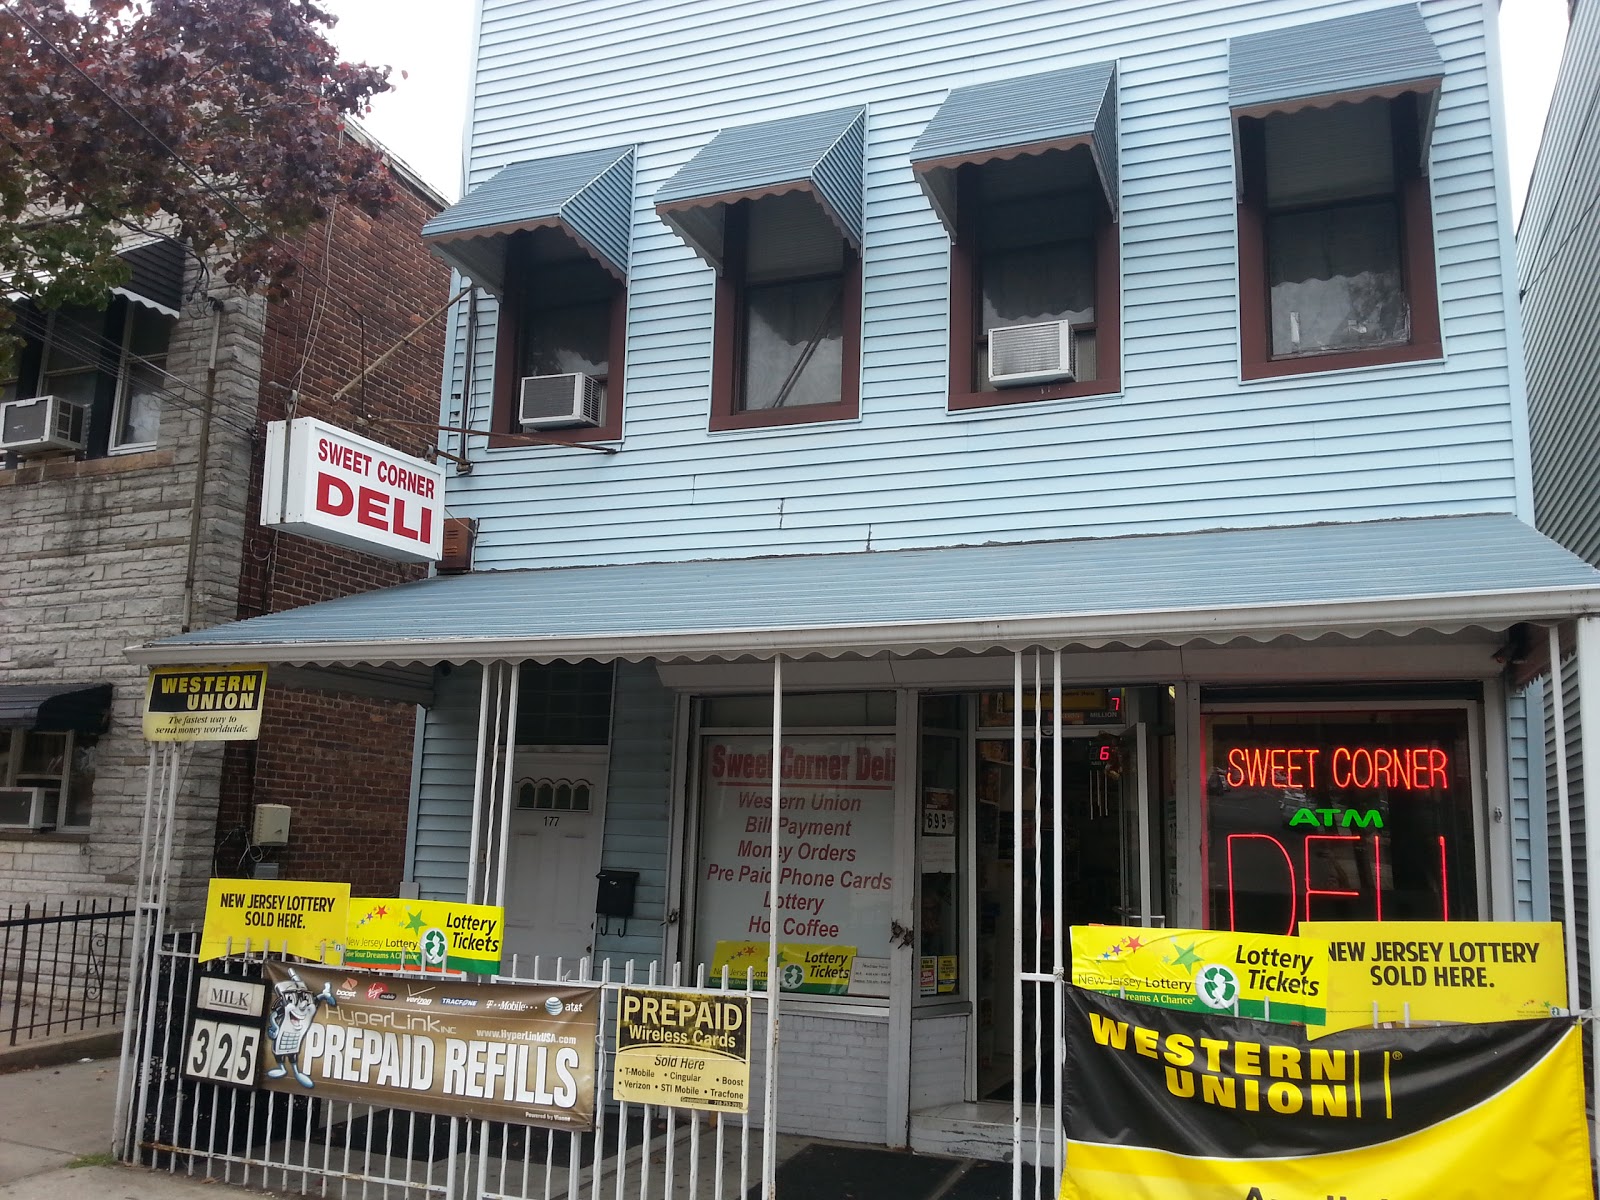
(1016,925)
(769,1140)
(477,784)
(1588,666)
(1569,918)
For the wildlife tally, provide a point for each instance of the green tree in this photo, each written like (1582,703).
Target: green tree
(220,122)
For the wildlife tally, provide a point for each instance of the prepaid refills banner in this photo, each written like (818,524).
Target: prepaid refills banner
(502,1052)
(1161,1104)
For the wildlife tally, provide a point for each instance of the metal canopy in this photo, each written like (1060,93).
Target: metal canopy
(822,154)
(157,281)
(1384,52)
(1441,573)
(55,707)
(589,196)
(1026,115)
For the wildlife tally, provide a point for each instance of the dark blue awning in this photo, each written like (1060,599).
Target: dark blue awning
(589,196)
(1387,51)
(1026,115)
(822,154)
(55,707)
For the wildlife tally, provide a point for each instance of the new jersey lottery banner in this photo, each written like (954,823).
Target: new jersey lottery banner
(1162,1104)
(1425,971)
(503,1052)
(300,918)
(1263,975)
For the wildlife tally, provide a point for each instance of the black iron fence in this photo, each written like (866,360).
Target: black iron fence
(62,969)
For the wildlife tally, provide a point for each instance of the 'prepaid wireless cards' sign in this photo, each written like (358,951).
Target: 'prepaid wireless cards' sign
(523,1054)
(1283,979)
(832,882)
(686,1051)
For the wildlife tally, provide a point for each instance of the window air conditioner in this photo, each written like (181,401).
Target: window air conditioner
(44,423)
(28,807)
(1043,353)
(556,401)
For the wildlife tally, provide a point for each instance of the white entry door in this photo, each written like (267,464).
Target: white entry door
(555,829)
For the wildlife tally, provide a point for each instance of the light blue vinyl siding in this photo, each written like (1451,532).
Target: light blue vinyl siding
(1558,251)
(444,793)
(638,811)
(1185,446)
(1529,864)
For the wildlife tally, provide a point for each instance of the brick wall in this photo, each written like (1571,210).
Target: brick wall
(341,763)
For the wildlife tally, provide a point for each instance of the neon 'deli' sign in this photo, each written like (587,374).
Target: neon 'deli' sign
(1340,816)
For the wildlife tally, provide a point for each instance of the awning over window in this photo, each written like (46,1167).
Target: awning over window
(589,196)
(1382,53)
(157,275)
(822,154)
(1057,110)
(55,707)
(157,280)
(1388,577)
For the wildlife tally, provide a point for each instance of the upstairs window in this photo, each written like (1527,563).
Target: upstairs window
(562,313)
(788,316)
(1331,125)
(111,361)
(550,239)
(1034,243)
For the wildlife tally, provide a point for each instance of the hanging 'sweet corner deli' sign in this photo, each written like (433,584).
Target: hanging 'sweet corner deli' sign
(336,486)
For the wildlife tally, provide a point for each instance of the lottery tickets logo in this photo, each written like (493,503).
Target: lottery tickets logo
(1217,986)
(435,947)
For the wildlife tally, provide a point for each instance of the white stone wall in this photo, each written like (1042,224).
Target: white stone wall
(97,562)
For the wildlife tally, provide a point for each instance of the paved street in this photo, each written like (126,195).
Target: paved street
(55,1140)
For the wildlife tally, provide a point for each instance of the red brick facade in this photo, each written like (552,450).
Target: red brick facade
(342,764)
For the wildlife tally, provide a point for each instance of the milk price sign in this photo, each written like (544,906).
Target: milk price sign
(336,486)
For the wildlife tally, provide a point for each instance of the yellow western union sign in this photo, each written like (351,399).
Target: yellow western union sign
(204,704)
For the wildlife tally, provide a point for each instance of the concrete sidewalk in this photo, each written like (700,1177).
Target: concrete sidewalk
(55,1141)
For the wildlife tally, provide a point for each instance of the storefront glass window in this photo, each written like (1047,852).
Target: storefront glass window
(940,848)
(1338,816)
(835,871)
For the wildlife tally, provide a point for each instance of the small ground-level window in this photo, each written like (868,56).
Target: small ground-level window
(1344,815)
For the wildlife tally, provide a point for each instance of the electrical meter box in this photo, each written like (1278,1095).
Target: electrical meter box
(272,825)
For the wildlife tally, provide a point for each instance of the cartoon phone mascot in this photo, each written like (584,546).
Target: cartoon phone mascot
(293,1011)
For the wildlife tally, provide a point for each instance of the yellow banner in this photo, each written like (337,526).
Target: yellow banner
(425,935)
(204,704)
(306,920)
(1470,971)
(802,967)
(1260,975)
(1165,1105)
(686,1051)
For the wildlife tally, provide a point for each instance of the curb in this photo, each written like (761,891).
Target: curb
(67,1048)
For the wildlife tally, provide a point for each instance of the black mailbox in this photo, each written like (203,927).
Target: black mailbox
(614,897)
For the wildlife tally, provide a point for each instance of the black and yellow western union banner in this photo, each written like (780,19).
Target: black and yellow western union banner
(1162,1104)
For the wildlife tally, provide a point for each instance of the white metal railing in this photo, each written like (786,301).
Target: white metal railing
(309,1145)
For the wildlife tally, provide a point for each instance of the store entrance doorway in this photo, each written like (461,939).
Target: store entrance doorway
(1078,834)
(555,829)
